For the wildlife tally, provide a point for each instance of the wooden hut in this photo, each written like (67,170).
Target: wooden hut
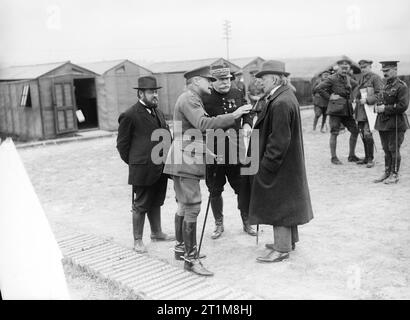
(39,101)
(170,77)
(115,92)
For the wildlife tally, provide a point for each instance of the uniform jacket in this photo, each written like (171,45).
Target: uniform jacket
(368,80)
(342,86)
(395,97)
(279,193)
(241,87)
(189,113)
(318,100)
(134,143)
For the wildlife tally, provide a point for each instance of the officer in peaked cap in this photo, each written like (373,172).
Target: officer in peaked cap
(391,121)
(189,169)
(134,145)
(224,99)
(370,84)
(320,103)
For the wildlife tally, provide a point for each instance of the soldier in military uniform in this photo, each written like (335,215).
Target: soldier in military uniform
(319,102)
(237,83)
(340,109)
(224,99)
(186,164)
(149,184)
(372,83)
(255,88)
(391,121)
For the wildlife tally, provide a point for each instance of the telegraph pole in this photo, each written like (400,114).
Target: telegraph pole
(227,35)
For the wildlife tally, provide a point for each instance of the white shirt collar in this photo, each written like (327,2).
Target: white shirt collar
(146,108)
(273,91)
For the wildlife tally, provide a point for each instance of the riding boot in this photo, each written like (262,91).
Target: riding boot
(352,147)
(138,219)
(370,151)
(387,168)
(217,210)
(366,152)
(192,262)
(154,217)
(333,144)
(246,226)
(179,248)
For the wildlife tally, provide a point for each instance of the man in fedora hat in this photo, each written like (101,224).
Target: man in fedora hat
(224,99)
(371,84)
(279,192)
(189,168)
(392,121)
(134,145)
(338,88)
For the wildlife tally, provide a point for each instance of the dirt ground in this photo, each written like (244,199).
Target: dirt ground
(356,247)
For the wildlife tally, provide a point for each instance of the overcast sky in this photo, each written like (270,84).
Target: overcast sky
(148,31)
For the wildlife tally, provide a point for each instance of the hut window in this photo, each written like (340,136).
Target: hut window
(120,69)
(25,97)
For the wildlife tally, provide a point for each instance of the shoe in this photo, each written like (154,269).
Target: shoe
(335,160)
(248,229)
(362,161)
(219,229)
(161,236)
(270,246)
(392,179)
(354,159)
(139,246)
(196,266)
(273,256)
(385,175)
(370,164)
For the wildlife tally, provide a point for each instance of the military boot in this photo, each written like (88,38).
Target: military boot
(366,153)
(217,210)
(392,179)
(138,219)
(385,175)
(246,226)
(370,150)
(192,262)
(179,248)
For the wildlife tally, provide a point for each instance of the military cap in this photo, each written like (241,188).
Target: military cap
(365,61)
(388,64)
(344,60)
(238,73)
(325,71)
(220,70)
(203,72)
(147,82)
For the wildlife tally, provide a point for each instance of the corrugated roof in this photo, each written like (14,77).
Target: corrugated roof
(29,71)
(102,67)
(243,62)
(182,66)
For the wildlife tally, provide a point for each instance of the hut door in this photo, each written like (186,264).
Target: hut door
(64,105)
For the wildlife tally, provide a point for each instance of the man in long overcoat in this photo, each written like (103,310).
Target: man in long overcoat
(134,145)
(279,194)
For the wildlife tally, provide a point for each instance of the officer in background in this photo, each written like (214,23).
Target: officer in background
(391,121)
(224,99)
(340,109)
(149,184)
(372,84)
(255,88)
(319,102)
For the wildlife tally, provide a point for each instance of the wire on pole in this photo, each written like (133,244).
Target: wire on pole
(227,35)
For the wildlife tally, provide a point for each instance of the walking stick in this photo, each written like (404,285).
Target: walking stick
(257,234)
(397,145)
(206,213)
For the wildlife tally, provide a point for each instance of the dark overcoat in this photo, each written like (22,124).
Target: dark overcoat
(279,193)
(134,144)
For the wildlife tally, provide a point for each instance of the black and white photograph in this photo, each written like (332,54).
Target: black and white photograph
(204,155)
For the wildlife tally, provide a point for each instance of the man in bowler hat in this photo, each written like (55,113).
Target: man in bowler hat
(134,145)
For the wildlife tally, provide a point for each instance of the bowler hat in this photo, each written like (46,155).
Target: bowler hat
(203,72)
(147,82)
(221,70)
(272,67)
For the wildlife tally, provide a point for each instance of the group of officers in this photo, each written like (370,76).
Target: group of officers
(278,193)
(335,94)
